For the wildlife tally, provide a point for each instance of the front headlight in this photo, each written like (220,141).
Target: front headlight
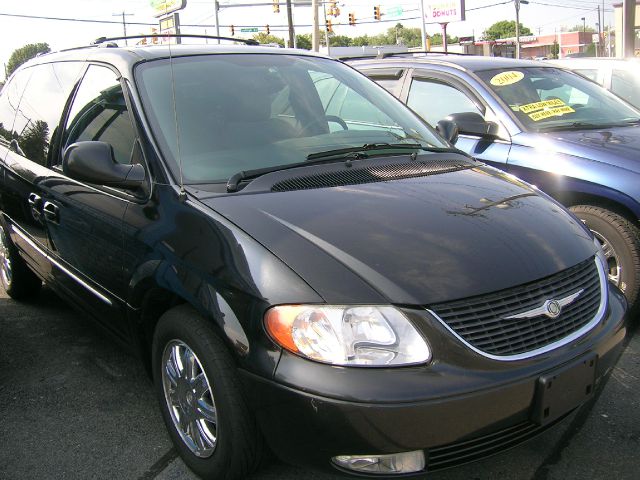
(347,335)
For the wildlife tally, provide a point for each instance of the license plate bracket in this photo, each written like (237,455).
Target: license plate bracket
(564,389)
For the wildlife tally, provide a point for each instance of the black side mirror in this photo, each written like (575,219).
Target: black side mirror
(472,123)
(448,130)
(93,162)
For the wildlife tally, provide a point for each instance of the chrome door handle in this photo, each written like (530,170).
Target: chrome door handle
(50,211)
(35,201)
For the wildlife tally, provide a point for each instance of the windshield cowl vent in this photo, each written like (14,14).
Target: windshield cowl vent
(371,174)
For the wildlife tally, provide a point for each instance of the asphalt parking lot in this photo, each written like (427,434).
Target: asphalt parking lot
(73,405)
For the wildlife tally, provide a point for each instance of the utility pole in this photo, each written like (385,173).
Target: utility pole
(216,7)
(292,36)
(124,23)
(517,5)
(599,32)
(315,43)
(422,27)
(628,28)
(326,30)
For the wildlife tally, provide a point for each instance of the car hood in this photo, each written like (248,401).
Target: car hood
(618,146)
(413,241)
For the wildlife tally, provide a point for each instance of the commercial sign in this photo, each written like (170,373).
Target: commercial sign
(443,11)
(165,7)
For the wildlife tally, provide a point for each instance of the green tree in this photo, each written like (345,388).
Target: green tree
(340,41)
(504,29)
(265,38)
(361,41)
(23,54)
(578,28)
(555,49)
(436,39)
(304,41)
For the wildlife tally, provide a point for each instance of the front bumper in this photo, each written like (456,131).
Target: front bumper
(459,408)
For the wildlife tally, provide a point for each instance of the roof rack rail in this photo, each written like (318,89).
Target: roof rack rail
(346,58)
(393,54)
(102,40)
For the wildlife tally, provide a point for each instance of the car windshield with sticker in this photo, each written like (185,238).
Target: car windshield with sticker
(544,98)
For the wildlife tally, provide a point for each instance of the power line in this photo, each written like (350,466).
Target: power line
(487,6)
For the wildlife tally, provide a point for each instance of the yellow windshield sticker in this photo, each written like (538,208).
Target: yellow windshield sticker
(552,112)
(532,107)
(506,78)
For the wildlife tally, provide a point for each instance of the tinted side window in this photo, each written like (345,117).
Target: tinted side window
(390,84)
(9,102)
(41,107)
(434,100)
(590,73)
(99,113)
(626,86)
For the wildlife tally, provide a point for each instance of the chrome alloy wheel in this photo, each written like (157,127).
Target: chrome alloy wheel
(613,260)
(187,392)
(5,261)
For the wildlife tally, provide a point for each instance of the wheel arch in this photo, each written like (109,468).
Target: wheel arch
(156,288)
(609,199)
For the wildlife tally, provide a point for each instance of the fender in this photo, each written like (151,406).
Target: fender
(217,290)
(563,188)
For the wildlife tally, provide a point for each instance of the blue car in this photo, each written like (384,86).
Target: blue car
(553,128)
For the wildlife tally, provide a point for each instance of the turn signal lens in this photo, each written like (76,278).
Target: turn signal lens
(342,335)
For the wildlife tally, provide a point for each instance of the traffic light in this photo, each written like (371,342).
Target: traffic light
(376,12)
(233,30)
(266,28)
(276,6)
(352,19)
(329,27)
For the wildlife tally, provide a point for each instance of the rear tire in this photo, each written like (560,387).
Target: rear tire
(16,278)
(201,399)
(620,240)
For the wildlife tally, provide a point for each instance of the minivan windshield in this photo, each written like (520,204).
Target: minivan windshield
(238,112)
(549,98)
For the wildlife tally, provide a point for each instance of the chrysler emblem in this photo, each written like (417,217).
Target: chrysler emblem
(552,308)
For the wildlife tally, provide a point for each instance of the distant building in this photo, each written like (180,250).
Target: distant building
(531,46)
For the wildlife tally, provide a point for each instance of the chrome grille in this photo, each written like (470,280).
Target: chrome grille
(471,450)
(480,321)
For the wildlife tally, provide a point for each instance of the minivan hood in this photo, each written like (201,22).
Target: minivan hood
(618,146)
(414,241)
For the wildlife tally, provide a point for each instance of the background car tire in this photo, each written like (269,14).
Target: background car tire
(239,446)
(621,242)
(16,278)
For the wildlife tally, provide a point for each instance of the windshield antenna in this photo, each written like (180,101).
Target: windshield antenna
(182,196)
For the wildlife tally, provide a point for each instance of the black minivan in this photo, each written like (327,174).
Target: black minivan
(302,264)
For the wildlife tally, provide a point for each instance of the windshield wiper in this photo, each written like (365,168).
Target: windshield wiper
(236,178)
(368,147)
(330,156)
(579,126)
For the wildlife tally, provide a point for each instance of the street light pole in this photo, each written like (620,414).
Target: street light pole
(584,25)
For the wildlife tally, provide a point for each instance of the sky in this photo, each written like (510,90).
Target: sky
(541,16)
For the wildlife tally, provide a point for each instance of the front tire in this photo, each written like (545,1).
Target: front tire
(201,400)
(620,240)
(16,278)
